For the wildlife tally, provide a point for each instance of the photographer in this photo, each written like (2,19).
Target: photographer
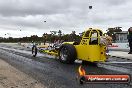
(129,37)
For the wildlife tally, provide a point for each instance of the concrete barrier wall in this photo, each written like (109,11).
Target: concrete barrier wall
(119,46)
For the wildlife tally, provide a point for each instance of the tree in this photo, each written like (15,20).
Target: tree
(59,34)
(53,32)
(45,37)
(111,32)
(34,37)
(73,35)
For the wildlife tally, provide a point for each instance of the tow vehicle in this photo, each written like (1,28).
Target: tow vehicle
(88,49)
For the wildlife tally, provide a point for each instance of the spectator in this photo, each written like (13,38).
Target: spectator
(106,40)
(129,37)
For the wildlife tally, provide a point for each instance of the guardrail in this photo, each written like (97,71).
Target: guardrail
(119,46)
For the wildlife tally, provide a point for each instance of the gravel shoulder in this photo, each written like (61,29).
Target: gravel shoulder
(10,77)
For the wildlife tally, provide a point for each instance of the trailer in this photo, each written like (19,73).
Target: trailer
(89,49)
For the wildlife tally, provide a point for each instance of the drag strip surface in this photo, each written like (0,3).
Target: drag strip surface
(51,72)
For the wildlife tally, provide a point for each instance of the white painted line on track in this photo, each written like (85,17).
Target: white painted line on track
(117,62)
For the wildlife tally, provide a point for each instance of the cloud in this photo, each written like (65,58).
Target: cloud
(66,15)
(31,7)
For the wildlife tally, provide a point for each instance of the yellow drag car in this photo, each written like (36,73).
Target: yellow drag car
(88,49)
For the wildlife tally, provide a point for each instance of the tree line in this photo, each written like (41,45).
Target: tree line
(57,35)
(51,37)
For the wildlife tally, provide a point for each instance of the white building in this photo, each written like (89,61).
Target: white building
(121,37)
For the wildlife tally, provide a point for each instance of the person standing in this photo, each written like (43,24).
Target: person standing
(129,37)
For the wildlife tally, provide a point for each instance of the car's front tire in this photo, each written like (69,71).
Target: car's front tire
(34,51)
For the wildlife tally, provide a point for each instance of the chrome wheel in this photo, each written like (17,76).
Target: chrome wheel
(63,54)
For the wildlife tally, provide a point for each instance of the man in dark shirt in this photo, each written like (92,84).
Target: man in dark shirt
(130,39)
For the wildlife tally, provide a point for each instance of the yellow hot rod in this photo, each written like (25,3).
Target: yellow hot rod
(88,49)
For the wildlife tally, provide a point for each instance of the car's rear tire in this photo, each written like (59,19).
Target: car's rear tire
(34,51)
(67,54)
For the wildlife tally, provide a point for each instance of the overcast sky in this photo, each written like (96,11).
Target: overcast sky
(66,15)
